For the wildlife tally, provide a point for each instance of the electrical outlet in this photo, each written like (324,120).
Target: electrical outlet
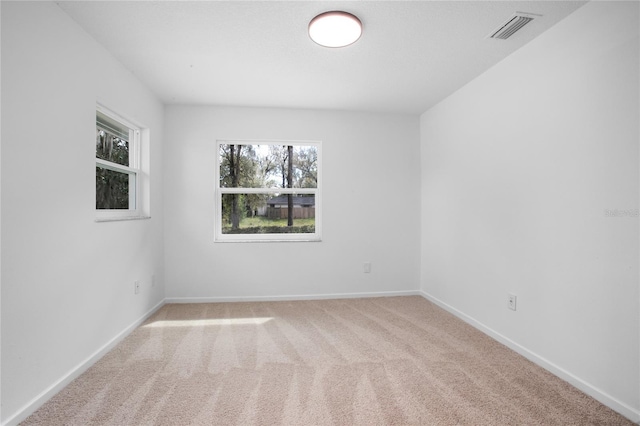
(367,267)
(136,287)
(511,301)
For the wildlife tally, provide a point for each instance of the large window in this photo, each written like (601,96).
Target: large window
(268,191)
(117,167)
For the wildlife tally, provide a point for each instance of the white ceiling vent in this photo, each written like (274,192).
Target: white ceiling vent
(513,24)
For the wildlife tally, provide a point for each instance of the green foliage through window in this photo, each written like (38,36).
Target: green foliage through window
(112,189)
(266,169)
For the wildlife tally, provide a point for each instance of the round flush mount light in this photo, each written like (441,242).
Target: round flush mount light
(335,29)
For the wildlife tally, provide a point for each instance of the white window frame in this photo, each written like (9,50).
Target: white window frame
(133,170)
(308,237)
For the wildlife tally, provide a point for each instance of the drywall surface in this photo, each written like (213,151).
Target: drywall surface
(67,281)
(370,195)
(530,186)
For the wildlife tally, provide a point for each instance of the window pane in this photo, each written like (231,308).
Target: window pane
(111,148)
(305,166)
(112,140)
(268,166)
(112,189)
(268,214)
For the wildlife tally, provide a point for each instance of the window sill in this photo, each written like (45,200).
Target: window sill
(119,219)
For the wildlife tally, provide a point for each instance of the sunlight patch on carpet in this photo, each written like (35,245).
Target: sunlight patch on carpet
(208,322)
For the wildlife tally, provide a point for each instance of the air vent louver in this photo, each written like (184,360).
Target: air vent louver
(514,23)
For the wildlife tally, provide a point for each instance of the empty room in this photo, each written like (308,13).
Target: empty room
(430,221)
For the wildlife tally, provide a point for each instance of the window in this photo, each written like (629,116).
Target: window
(117,167)
(268,191)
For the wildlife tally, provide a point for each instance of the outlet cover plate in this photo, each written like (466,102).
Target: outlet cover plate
(511,301)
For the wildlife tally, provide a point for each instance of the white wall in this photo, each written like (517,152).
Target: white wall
(67,281)
(371,182)
(518,168)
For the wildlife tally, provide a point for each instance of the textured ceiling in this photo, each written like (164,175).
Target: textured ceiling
(257,53)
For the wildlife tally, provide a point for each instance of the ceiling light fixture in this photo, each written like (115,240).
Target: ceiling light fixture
(335,29)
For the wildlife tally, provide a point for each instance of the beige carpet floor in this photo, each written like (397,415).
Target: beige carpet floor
(377,361)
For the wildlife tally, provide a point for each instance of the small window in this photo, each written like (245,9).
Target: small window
(117,167)
(268,191)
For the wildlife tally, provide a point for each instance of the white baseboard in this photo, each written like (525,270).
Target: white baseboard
(38,401)
(291,297)
(611,402)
